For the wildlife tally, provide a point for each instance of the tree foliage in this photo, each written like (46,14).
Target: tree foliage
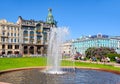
(112,56)
(99,52)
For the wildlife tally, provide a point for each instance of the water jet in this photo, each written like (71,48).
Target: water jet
(54,74)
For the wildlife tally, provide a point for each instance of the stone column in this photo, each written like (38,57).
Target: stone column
(28,50)
(42,51)
(35,50)
(28,36)
(13,48)
(41,34)
(21,49)
(6,48)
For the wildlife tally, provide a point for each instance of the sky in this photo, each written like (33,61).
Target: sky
(82,17)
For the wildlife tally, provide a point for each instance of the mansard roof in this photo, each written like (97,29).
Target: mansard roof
(31,20)
(32,23)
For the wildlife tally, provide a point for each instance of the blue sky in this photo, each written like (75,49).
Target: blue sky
(83,17)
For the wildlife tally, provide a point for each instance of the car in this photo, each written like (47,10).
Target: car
(118,60)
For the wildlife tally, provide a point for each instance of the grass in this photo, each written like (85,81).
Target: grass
(11,63)
(91,65)
(95,65)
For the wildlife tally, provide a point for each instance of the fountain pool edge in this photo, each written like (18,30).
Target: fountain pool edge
(44,68)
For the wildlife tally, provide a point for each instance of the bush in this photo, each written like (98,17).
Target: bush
(99,52)
(112,56)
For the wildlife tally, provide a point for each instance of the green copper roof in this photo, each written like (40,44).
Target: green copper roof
(50,18)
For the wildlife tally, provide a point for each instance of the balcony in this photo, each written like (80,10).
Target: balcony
(25,39)
(39,42)
(39,31)
(31,41)
(4,36)
(39,35)
(31,34)
(4,30)
(25,35)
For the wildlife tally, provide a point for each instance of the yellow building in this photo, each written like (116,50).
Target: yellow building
(26,37)
(67,48)
(9,37)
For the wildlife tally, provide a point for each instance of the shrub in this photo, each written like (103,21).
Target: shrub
(112,56)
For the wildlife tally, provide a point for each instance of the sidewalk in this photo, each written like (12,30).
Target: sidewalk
(4,83)
(106,63)
(117,65)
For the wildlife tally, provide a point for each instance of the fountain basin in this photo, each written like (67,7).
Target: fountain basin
(79,76)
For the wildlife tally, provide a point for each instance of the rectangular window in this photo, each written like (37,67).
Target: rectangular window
(9,46)
(11,40)
(14,34)
(3,33)
(3,46)
(15,40)
(3,27)
(8,34)
(3,39)
(11,34)
(16,46)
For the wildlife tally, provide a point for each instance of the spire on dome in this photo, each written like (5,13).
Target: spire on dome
(50,18)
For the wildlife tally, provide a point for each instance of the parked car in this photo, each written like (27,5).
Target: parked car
(117,59)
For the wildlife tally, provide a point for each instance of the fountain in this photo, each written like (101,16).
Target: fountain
(54,74)
(56,38)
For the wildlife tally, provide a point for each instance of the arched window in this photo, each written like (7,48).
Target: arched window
(38,32)
(25,33)
(38,29)
(31,36)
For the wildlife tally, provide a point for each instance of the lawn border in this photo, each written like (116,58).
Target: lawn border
(43,68)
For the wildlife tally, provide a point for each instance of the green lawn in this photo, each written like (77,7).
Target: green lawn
(91,65)
(10,63)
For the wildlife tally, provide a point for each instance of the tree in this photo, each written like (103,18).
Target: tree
(112,56)
(99,52)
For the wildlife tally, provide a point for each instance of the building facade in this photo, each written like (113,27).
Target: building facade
(66,48)
(26,36)
(99,40)
(9,37)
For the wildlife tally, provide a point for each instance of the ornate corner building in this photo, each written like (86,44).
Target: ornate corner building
(25,36)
